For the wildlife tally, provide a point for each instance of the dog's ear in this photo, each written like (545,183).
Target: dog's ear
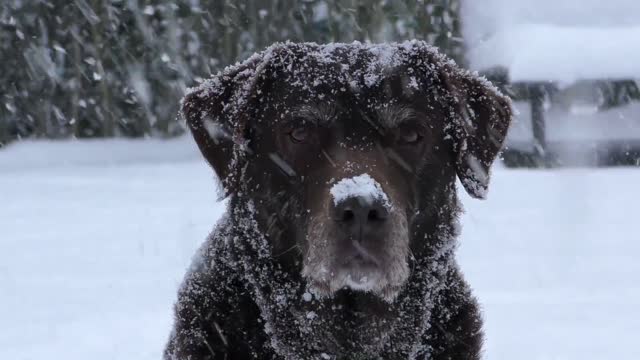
(202,110)
(216,112)
(481,120)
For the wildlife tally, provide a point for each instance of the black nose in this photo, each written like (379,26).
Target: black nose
(360,215)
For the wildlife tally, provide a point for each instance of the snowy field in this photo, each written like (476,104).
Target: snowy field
(95,237)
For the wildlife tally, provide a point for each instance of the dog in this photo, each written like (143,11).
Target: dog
(339,163)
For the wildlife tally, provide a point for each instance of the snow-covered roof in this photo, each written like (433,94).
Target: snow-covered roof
(560,40)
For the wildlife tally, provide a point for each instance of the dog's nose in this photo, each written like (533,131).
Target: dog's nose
(358,214)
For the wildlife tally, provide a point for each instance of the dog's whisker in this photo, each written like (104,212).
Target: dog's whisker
(328,157)
(286,168)
(412,262)
(399,160)
(368,119)
(271,222)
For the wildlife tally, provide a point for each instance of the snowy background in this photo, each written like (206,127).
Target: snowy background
(97,235)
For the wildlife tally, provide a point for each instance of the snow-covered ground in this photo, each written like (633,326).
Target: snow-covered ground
(95,237)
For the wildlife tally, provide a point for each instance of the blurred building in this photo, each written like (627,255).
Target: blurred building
(573,69)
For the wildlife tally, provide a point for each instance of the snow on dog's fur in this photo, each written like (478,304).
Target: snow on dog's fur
(339,162)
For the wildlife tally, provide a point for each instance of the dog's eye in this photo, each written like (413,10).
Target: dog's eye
(409,136)
(299,135)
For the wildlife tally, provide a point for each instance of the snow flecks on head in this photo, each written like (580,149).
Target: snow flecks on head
(305,66)
(342,66)
(361,186)
(315,75)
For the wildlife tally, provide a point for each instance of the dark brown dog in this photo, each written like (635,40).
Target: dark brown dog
(340,163)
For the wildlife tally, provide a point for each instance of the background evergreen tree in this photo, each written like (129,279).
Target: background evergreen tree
(105,68)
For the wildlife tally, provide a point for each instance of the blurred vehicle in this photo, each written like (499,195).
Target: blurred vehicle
(572,68)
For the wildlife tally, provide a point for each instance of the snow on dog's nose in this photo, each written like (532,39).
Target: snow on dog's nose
(363,187)
(360,207)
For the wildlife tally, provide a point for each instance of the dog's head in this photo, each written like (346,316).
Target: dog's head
(349,152)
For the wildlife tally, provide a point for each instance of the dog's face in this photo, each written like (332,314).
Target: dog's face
(358,160)
(346,167)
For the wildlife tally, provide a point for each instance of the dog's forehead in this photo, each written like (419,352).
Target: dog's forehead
(370,73)
(351,81)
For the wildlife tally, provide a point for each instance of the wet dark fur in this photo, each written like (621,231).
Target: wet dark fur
(219,313)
